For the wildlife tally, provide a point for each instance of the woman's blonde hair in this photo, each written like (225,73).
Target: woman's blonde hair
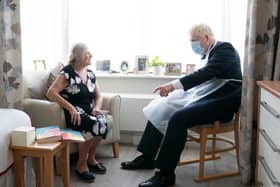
(200,30)
(77,53)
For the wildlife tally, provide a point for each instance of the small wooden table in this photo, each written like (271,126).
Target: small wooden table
(44,159)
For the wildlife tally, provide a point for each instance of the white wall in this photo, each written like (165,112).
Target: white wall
(136,92)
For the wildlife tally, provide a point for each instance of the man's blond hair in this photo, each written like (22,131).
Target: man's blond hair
(201,30)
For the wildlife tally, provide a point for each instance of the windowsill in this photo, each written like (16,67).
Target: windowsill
(133,75)
(132,84)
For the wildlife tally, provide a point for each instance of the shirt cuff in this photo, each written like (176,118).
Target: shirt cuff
(177,84)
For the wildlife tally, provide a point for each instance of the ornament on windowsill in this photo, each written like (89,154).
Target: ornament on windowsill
(157,65)
(124,66)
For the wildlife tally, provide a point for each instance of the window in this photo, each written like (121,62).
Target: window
(123,29)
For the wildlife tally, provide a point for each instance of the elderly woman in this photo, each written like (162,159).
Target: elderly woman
(211,93)
(77,91)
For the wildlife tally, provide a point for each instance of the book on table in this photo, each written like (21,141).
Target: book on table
(54,133)
(72,135)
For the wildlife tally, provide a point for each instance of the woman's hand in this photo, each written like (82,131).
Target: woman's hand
(164,90)
(96,112)
(75,116)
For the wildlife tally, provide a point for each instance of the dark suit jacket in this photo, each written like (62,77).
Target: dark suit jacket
(224,63)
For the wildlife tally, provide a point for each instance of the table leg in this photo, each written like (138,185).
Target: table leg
(48,170)
(65,165)
(39,171)
(57,161)
(18,169)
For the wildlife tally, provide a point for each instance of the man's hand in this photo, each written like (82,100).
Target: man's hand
(164,90)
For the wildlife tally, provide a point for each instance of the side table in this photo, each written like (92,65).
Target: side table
(44,160)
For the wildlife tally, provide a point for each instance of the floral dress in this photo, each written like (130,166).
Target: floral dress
(81,96)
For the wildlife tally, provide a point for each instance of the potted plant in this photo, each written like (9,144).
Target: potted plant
(157,64)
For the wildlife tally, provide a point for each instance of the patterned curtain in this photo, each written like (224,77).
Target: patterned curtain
(11,90)
(262,62)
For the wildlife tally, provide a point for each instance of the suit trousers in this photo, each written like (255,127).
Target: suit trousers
(166,149)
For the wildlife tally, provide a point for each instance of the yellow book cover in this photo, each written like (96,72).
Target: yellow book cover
(72,136)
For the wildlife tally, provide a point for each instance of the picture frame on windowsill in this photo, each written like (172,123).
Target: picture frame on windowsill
(103,66)
(124,67)
(190,68)
(173,68)
(141,64)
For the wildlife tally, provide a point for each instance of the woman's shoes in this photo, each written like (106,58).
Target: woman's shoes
(85,176)
(98,168)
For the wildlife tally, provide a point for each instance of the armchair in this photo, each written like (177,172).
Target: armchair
(44,112)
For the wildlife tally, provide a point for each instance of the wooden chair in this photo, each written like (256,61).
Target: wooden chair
(213,129)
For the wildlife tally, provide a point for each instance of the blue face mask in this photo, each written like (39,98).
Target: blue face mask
(196,47)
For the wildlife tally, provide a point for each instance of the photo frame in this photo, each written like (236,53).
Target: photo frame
(173,68)
(190,68)
(141,64)
(103,65)
(124,66)
(40,64)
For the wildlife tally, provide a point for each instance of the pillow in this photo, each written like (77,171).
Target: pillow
(36,83)
(53,74)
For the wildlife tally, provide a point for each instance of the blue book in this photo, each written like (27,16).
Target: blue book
(48,134)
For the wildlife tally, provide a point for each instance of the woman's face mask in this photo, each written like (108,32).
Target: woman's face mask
(196,47)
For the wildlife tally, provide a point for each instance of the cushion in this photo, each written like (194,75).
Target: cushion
(36,84)
(40,81)
(52,76)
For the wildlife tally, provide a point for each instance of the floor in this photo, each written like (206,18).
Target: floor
(116,177)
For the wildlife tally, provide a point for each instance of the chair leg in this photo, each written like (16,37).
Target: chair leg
(115,146)
(236,140)
(213,151)
(213,154)
(202,177)
(203,139)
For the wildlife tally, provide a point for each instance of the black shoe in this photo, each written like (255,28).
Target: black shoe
(85,176)
(138,163)
(159,180)
(98,168)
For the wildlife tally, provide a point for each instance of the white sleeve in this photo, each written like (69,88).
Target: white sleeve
(177,84)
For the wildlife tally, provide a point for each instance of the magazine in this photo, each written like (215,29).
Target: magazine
(54,133)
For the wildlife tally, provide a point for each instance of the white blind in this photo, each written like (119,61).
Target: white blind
(119,30)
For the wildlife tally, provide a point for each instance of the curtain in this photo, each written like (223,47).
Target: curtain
(11,90)
(261,62)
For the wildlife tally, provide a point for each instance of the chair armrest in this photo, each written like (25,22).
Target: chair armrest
(112,103)
(44,112)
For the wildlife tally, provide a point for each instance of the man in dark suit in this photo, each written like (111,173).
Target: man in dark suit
(162,151)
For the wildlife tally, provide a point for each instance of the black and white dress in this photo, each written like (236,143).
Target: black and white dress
(81,96)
